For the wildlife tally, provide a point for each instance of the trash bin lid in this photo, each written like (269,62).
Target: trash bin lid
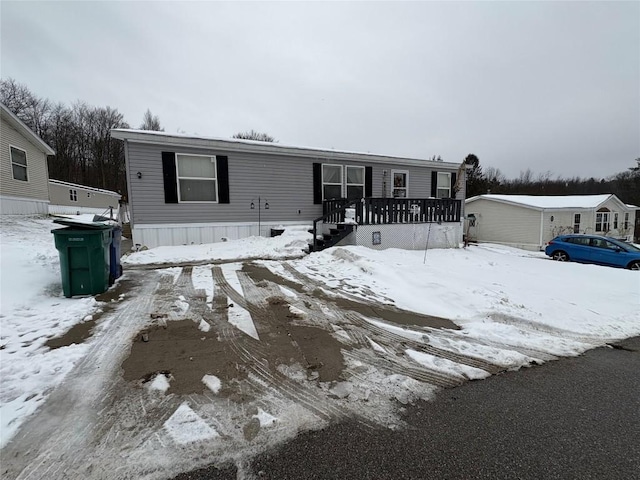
(69,222)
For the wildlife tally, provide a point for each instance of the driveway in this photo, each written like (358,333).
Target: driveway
(219,363)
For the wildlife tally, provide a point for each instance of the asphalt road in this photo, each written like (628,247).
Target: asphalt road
(576,418)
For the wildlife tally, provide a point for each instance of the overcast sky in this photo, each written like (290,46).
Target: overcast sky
(543,85)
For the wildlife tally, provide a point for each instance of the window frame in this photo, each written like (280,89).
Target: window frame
(215,179)
(626,220)
(604,224)
(346,179)
(448,187)
(577,218)
(25,166)
(406,186)
(73,195)
(342,179)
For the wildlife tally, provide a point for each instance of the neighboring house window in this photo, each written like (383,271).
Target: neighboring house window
(331,181)
(89,194)
(19,164)
(197,180)
(615,221)
(400,183)
(73,195)
(355,183)
(602,221)
(626,220)
(576,223)
(444,185)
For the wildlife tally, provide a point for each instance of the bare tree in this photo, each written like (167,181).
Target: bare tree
(151,122)
(253,135)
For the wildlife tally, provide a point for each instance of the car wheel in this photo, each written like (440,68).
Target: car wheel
(634,266)
(560,256)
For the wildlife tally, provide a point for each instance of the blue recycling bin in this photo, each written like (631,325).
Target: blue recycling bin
(115,268)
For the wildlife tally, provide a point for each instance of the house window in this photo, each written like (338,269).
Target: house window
(626,220)
(400,183)
(615,221)
(197,180)
(355,183)
(602,221)
(73,195)
(331,181)
(444,185)
(89,194)
(19,163)
(576,223)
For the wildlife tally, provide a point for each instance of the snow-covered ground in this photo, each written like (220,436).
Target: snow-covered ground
(512,307)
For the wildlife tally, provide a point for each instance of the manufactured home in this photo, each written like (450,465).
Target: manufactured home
(71,198)
(530,221)
(24,175)
(186,189)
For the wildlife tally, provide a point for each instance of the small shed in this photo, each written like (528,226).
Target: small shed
(530,221)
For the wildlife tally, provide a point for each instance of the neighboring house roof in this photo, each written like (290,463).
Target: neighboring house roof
(241,145)
(21,127)
(544,202)
(93,189)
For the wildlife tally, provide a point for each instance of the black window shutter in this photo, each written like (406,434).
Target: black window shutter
(453,185)
(222,164)
(170,179)
(368,181)
(317,183)
(434,184)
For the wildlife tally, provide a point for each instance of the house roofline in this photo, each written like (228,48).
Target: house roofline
(77,185)
(19,125)
(250,146)
(610,196)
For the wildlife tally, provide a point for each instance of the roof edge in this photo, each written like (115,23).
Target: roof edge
(249,146)
(20,125)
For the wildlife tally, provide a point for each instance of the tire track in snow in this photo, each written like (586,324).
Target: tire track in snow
(58,440)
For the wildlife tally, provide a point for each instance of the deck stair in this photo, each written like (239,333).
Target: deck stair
(330,239)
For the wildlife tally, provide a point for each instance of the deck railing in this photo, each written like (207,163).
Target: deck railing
(376,211)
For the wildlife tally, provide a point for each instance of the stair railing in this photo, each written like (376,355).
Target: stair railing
(332,214)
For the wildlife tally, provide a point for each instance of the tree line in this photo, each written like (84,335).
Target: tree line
(80,134)
(86,154)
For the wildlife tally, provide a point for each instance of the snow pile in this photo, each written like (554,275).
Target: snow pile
(493,292)
(291,243)
(186,426)
(32,310)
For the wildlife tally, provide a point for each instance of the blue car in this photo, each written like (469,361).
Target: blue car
(594,249)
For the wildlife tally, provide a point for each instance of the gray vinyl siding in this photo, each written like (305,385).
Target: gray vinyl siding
(285,182)
(59,195)
(502,223)
(36,186)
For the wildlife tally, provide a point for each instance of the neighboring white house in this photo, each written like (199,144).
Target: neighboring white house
(71,198)
(24,176)
(530,221)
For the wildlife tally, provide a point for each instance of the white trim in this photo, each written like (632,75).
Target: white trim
(29,134)
(214,179)
(406,187)
(541,228)
(216,224)
(26,163)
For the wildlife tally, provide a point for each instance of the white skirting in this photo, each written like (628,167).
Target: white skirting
(409,236)
(23,206)
(157,235)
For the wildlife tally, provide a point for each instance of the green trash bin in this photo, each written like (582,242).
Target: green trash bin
(84,259)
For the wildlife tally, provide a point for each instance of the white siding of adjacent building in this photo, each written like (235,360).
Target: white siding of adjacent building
(511,225)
